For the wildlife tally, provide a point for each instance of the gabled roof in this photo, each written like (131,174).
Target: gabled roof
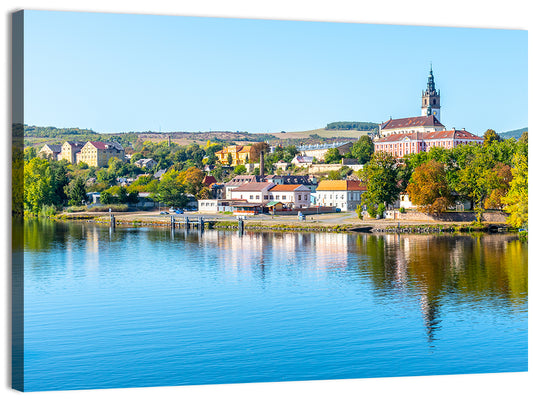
(75,144)
(53,147)
(243,179)
(100,145)
(208,180)
(340,185)
(289,187)
(415,121)
(253,187)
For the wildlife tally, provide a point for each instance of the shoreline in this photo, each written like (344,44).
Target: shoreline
(340,223)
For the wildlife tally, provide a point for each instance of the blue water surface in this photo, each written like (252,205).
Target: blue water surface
(138,307)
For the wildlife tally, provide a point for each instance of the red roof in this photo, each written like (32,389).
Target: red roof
(208,180)
(443,134)
(415,121)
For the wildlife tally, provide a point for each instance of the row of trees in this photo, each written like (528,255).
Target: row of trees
(491,176)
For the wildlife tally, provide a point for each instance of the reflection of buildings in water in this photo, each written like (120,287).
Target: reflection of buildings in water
(331,250)
(91,242)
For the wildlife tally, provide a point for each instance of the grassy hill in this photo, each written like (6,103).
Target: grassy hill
(513,133)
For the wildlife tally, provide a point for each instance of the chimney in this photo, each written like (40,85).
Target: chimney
(261,164)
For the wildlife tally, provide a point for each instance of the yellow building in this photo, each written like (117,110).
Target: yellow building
(97,153)
(240,154)
(69,150)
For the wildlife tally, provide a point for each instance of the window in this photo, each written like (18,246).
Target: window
(277,196)
(266,197)
(283,197)
(251,196)
(257,197)
(299,197)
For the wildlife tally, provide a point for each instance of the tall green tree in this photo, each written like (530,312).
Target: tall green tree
(380,176)
(517,198)
(37,184)
(76,192)
(363,149)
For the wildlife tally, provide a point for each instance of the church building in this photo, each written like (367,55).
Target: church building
(429,121)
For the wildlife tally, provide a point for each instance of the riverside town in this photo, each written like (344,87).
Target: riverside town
(412,172)
(228,201)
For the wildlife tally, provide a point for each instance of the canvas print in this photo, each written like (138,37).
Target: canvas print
(213,201)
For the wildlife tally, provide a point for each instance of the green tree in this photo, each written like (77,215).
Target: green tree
(107,198)
(76,192)
(332,156)
(37,184)
(171,193)
(122,195)
(490,137)
(380,176)
(363,149)
(429,187)
(30,153)
(239,170)
(230,159)
(516,199)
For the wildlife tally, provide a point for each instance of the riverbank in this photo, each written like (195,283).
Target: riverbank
(339,222)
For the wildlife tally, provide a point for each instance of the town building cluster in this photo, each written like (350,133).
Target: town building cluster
(93,153)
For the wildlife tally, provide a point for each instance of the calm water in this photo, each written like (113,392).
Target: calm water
(143,307)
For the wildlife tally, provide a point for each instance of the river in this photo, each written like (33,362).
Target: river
(139,307)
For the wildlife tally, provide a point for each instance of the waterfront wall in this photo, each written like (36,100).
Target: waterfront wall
(489,217)
(326,168)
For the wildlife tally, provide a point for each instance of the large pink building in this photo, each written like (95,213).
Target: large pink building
(403,144)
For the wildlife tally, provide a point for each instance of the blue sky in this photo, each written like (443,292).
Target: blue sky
(119,73)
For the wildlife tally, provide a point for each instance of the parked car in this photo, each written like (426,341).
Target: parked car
(179,211)
(338,210)
(163,213)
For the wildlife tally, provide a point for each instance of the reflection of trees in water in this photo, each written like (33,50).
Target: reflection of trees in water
(484,270)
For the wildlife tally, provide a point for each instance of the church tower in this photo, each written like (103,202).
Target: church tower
(431,98)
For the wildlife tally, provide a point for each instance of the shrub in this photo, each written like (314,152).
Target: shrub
(372,211)
(402,210)
(381,209)
(113,207)
(48,211)
(359,211)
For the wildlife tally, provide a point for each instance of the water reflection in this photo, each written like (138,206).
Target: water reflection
(435,271)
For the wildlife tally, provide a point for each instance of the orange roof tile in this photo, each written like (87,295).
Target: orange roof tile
(340,185)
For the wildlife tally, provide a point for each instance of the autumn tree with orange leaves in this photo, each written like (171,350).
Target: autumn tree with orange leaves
(429,188)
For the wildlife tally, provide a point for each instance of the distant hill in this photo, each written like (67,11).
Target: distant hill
(513,133)
(364,126)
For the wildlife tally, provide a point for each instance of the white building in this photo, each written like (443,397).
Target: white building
(293,195)
(342,194)
(252,192)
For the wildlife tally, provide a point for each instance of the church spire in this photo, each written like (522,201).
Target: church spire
(431,97)
(431,80)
